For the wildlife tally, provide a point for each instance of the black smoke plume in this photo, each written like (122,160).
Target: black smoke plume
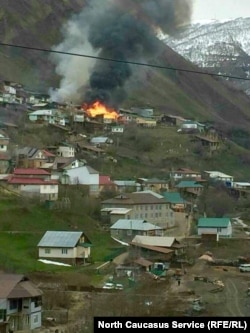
(122,30)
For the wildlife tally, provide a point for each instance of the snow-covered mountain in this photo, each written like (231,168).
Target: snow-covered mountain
(221,47)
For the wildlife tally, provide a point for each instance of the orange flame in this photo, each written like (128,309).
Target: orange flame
(99,109)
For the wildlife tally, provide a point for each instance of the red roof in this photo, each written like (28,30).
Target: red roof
(30,171)
(31,181)
(105,180)
(48,153)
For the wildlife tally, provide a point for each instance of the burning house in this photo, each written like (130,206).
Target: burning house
(100,113)
(115,34)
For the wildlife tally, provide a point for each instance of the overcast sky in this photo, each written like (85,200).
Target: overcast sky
(220,9)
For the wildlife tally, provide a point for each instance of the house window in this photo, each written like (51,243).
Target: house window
(2,315)
(64,251)
(218,229)
(129,232)
(152,207)
(13,304)
(37,301)
(47,251)
(35,319)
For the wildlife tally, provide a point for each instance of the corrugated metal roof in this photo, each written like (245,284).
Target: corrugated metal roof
(129,224)
(31,181)
(154,240)
(60,239)
(154,248)
(99,139)
(213,222)
(30,171)
(118,210)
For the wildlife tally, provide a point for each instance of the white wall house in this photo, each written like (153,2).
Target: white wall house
(34,187)
(218,176)
(83,175)
(66,151)
(71,247)
(184,173)
(146,205)
(117,129)
(43,115)
(220,226)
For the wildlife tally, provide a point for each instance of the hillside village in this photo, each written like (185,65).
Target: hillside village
(150,217)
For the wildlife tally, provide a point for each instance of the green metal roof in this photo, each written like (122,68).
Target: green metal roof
(213,222)
(174,197)
(188,183)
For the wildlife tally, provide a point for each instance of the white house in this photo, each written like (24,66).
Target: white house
(72,247)
(146,205)
(117,129)
(100,140)
(34,187)
(43,115)
(66,150)
(83,175)
(220,226)
(125,229)
(184,173)
(20,304)
(218,176)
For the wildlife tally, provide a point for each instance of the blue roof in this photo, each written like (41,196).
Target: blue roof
(60,239)
(128,224)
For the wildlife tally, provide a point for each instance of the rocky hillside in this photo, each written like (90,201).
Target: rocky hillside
(221,47)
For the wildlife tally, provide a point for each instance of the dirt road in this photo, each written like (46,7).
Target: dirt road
(230,301)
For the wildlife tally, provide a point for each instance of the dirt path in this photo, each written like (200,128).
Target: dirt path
(235,299)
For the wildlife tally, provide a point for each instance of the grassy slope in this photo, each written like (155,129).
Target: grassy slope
(24,224)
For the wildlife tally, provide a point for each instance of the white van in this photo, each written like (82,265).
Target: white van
(244,268)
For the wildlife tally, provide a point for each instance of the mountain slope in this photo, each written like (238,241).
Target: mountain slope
(217,46)
(192,95)
(36,23)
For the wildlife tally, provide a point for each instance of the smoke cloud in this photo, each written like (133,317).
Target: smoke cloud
(115,29)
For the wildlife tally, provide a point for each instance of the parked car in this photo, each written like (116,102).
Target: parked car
(244,268)
(119,286)
(109,285)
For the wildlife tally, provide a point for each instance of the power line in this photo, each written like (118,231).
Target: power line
(123,61)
